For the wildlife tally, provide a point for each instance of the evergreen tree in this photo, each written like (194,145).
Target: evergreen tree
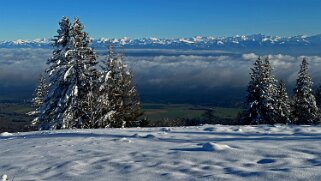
(54,103)
(283,108)
(260,103)
(268,94)
(81,76)
(40,92)
(104,109)
(252,112)
(69,101)
(130,101)
(118,95)
(305,110)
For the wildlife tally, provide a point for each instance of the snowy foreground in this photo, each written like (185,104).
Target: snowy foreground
(191,153)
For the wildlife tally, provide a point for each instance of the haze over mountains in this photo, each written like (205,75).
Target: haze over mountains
(295,45)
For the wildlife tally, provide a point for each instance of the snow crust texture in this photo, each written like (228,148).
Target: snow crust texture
(190,153)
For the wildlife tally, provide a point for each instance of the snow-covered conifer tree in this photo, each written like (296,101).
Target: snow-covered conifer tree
(268,93)
(304,108)
(104,109)
(260,101)
(51,112)
(40,92)
(69,101)
(252,112)
(81,77)
(282,105)
(131,104)
(120,106)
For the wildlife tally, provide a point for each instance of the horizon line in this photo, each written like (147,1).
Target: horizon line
(183,37)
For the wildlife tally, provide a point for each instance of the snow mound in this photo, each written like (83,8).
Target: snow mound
(209,146)
(125,140)
(6,134)
(4,178)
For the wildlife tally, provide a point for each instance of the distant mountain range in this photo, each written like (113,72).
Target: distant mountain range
(246,43)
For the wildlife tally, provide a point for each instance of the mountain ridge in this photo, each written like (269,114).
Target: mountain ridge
(243,43)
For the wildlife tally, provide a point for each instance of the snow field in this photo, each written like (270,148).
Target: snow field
(189,153)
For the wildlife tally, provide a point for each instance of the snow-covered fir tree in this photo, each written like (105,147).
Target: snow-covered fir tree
(304,108)
(54,103)
(81,78)
(252,112)
(39,94)
(130,107)
(268,94)
(282,105)
(69,101)
(104,108)
(260,103)
(120,106)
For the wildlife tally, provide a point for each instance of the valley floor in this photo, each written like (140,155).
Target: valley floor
(209,152)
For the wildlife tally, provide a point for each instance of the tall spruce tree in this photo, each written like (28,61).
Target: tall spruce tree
(305,110)
(81,76)
(260,103)
(69,101)
(282,106)
(54,103)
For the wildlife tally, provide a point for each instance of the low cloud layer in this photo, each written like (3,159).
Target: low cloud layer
(175,70)
(215,71)
(21,67)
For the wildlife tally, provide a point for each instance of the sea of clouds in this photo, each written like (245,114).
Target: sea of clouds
(168,68)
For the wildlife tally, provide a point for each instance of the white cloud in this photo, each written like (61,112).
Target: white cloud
(166,68)
(21,66)
(250,56)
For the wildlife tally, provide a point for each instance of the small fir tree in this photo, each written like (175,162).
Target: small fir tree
(260,103)
(283,108)
(119,98)
(39,94)
(305,110)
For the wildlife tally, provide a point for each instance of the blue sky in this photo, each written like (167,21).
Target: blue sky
(29,19)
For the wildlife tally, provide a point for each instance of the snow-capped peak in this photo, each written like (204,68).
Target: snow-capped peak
(210,42)
(184,40)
